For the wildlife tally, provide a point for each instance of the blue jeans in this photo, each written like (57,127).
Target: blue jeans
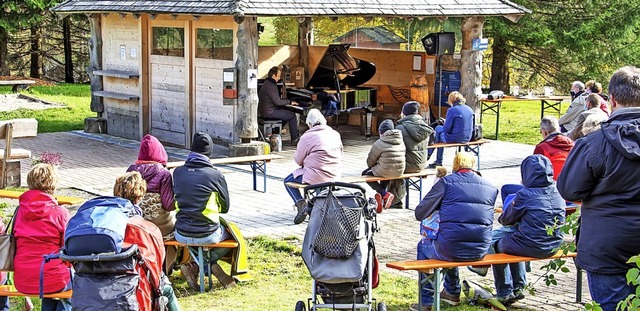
(609,289)
(508,277)
(215,253)
(439,139)
(50,304)
(294,193)
(427,250)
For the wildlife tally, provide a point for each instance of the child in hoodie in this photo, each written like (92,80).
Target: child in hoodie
(386,159)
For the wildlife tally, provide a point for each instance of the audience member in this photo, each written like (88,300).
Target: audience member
(415,134)
(385,159)
(39,227)
(593,87)
(601,171)
(568,120)
(457,128)
(554,145)
(270,104)
(146,235)
(465,202)
(319,154)
(593,109)
(202,195)
(535,208)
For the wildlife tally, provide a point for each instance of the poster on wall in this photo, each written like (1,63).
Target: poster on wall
(431,66)
(253,78)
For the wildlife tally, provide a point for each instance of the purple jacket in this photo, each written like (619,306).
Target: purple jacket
(158,180)
(319,154)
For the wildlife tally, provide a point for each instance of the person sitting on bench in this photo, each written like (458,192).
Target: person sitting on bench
(457,128)
(202,195)
(465,202)
(269,104)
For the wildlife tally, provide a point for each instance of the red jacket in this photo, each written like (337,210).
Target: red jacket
(39,230)
(556,147)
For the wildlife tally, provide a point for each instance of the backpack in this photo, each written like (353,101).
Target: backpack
(98,226)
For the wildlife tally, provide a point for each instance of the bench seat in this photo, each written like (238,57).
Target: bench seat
(472,146)
(13,194)
(11,291)
(17,154)
(431,269)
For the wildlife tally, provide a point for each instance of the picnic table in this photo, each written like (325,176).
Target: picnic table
(553,103)
(17,84)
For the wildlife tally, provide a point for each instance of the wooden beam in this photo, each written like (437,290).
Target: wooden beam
(513,17)
(145,90)
(95,63)
(471,62)
(246,123)
(304,32)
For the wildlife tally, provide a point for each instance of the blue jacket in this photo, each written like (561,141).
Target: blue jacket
(603,171)
(536,206)
(458,125)
(465,201)
(201,194)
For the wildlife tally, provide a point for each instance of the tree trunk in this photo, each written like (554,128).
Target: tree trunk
(68,59)
(471,67)
(305,28)
(4,42)
(247,66)
(34,71)
(499,66)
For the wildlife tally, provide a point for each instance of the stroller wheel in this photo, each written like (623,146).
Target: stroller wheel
(382,306)
(300,306)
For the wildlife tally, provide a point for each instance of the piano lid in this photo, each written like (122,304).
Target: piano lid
(338,67)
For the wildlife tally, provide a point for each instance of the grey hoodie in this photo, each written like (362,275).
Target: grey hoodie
(415,133)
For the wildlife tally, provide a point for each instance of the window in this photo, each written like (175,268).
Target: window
(214,44)
(168,41)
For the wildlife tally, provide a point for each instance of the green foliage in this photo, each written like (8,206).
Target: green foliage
(76,97)
(632,302)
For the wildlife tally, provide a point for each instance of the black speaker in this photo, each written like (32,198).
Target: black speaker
(439,43)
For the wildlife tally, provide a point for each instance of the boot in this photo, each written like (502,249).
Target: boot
(301,207)
(224,279)
(190,271)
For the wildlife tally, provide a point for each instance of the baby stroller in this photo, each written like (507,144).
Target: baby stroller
(338,248)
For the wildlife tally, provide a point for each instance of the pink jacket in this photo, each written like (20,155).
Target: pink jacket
(319,154)
(39,230)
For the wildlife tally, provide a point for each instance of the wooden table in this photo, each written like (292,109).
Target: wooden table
(17,84)
(553,103)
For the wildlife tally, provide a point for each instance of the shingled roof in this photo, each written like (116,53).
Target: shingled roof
(379,34)
(385,8)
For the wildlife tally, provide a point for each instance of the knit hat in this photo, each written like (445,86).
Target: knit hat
(385,126)
(202,143)
(151,150)
(410,108)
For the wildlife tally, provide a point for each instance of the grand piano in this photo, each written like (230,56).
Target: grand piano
(337,81)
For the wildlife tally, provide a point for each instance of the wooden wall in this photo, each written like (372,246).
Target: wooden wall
(123,116)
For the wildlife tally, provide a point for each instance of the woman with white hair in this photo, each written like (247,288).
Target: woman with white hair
(319,154)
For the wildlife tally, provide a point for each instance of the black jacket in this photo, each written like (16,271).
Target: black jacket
(201,193)
(603,170)
(269,98)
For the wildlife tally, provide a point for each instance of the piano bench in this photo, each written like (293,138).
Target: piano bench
(268,126)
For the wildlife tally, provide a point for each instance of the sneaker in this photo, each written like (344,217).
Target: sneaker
(479,270)
(190,272)
(387,199)
(518,293)
(224,279)
(379,201)
(414,307)
(434,165)
(507,301)
(302,212)
(453,300)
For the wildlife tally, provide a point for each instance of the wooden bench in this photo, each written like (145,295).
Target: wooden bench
(10,157)
(411,180)
(258,163)
(17,84)
(200,257)
(472,146)
(567,211)
(11,291)
(432,270)
(63,200)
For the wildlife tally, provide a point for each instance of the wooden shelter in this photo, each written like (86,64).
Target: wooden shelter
(172,67)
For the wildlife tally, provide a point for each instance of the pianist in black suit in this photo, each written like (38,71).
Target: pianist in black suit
(270,103)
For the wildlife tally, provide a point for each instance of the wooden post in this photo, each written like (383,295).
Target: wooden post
(145,90)
(246,123)
(304,31)
(95,62)
(471,67)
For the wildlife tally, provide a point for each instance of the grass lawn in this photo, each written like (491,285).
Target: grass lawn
(76,97)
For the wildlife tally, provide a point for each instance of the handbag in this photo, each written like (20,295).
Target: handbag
(8,246)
